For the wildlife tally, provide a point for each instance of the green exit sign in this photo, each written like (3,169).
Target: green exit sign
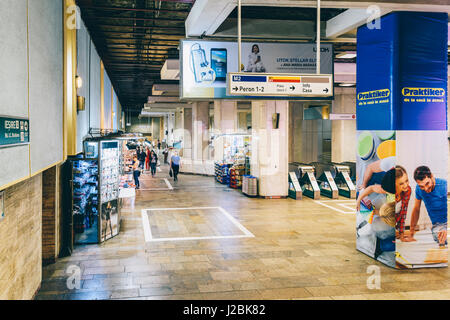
(14,131)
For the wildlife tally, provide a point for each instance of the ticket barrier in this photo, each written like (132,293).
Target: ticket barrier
(295,190)
(352,166)
(344,181)
(325,173)
(307,180)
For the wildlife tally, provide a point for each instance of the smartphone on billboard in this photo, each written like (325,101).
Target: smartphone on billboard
(199,62)
(219,63)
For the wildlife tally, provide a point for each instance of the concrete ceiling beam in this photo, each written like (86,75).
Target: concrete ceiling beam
(153,99)
(349,20)
(207,15)
(270,29)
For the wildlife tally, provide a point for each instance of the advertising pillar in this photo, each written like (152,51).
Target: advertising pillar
(402,140)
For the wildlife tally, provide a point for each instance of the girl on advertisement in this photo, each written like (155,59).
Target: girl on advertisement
(254,61)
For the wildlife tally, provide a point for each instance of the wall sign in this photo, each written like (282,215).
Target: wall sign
(342,116)
(14,131)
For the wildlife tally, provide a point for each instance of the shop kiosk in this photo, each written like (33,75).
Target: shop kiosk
(94,188)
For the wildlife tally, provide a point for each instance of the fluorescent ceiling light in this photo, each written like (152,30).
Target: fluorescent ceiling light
(347,55)
(346,84)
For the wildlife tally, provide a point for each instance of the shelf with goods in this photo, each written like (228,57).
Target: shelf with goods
(236,174)
(222,172)
(85,196)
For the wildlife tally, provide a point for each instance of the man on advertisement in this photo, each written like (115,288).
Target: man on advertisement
(433,192)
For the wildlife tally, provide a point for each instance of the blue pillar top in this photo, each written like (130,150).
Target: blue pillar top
(402,73)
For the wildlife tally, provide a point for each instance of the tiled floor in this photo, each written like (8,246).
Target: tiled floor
(300,250)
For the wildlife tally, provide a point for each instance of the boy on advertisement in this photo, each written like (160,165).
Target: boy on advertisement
(433,192)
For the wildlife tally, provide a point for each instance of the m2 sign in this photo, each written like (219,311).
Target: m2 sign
(14,131)
(206,64)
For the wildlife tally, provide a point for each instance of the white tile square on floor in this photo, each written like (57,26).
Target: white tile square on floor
(195,223)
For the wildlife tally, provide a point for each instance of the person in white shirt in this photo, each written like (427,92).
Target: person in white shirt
(254,60)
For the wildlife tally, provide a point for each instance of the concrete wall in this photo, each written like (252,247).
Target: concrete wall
(32,87)
(295,131)
(269,162)
(20,241)
(94,85)
(344,131)
(115,110)
(31,81)
(146,125)
(107,95)
(83,70)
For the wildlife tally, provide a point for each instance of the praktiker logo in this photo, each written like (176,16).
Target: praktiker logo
(376,94)
(423,92)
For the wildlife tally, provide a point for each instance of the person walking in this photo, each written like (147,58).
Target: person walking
(166,155)
(159,145)
(175,164)
(136,172)
(147,158)
(141,158)
(153,162)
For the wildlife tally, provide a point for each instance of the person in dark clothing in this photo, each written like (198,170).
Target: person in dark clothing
(147,159)
(166,155)
(141,158)
(175,163)
(159,145)
(153,162)
(136,172)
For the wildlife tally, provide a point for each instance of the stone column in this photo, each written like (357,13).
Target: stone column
(187,134)
(200,137)
(178,131)
(225,122)
(343,131)
(269,161)
(170,129)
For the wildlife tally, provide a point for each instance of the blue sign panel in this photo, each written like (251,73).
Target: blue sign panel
(402,73)
(375,77)
(422,71)
(250,78)
(14,131)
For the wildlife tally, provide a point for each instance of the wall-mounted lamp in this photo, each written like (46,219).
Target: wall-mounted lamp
(78,82)
(81,103)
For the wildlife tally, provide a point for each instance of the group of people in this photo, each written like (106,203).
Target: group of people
(395,184)
(147,159)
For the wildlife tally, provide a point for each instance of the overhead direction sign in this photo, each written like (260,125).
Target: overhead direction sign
(342,116)
(285,85)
